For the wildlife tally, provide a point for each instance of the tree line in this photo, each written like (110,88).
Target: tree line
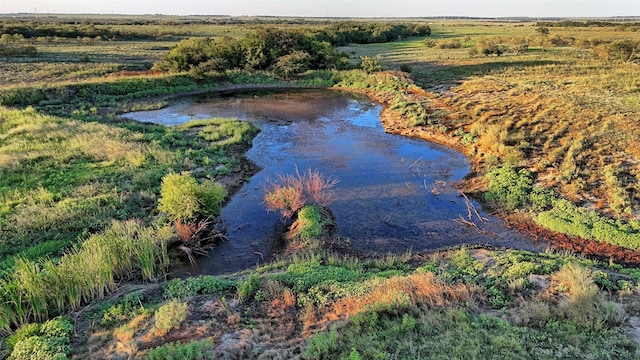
(285,52)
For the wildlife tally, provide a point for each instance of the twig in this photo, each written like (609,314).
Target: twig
(259,254)
(415,162)
(461,220)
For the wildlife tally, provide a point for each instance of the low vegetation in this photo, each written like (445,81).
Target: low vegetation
(50,340)
(328,305)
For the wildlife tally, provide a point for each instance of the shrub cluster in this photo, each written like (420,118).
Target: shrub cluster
(285,52)
(43,342)
(344,33)
(449,44)
(18,50)
(71,31)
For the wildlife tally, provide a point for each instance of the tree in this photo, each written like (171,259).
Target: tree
(543,30)
(292,64)
(370,64)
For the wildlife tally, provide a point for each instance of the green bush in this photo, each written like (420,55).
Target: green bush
(23,332)
(249,287)
(57,328)
(51,341)
(567,218)
(509,186)
(171,315)
(542,198)
(406,68)
(183,198)
(310,222)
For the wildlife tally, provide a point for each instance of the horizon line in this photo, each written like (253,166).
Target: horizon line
(330,17)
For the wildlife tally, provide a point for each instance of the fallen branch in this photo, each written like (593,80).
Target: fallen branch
(471,208)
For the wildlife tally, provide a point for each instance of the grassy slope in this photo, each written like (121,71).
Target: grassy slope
(461,304)
(564,114)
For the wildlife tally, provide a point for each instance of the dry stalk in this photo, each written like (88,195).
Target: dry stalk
(471,208)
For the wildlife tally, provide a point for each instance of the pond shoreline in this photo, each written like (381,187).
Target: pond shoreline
(471,183)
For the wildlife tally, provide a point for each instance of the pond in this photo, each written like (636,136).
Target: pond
(394,193)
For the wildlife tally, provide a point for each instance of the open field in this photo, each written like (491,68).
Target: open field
(548,116)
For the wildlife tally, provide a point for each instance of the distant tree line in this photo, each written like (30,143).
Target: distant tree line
(34,30)
(286,52)
(588,23)
(336,33)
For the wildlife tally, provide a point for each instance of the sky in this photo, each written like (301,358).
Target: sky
(334,8)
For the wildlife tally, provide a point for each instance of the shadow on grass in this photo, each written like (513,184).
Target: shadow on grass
(429,75)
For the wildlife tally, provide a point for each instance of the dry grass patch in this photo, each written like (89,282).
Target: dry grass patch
(423,289)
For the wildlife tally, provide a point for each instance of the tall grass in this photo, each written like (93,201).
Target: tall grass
(35,291)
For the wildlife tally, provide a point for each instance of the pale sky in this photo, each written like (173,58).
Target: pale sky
(335,8)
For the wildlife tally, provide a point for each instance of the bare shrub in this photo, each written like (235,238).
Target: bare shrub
(316,187)
(289,193)
(197,238)
(286,194)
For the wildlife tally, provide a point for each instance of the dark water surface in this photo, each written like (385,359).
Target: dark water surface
(385,200)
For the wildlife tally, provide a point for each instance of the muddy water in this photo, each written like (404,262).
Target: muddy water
(394,193)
